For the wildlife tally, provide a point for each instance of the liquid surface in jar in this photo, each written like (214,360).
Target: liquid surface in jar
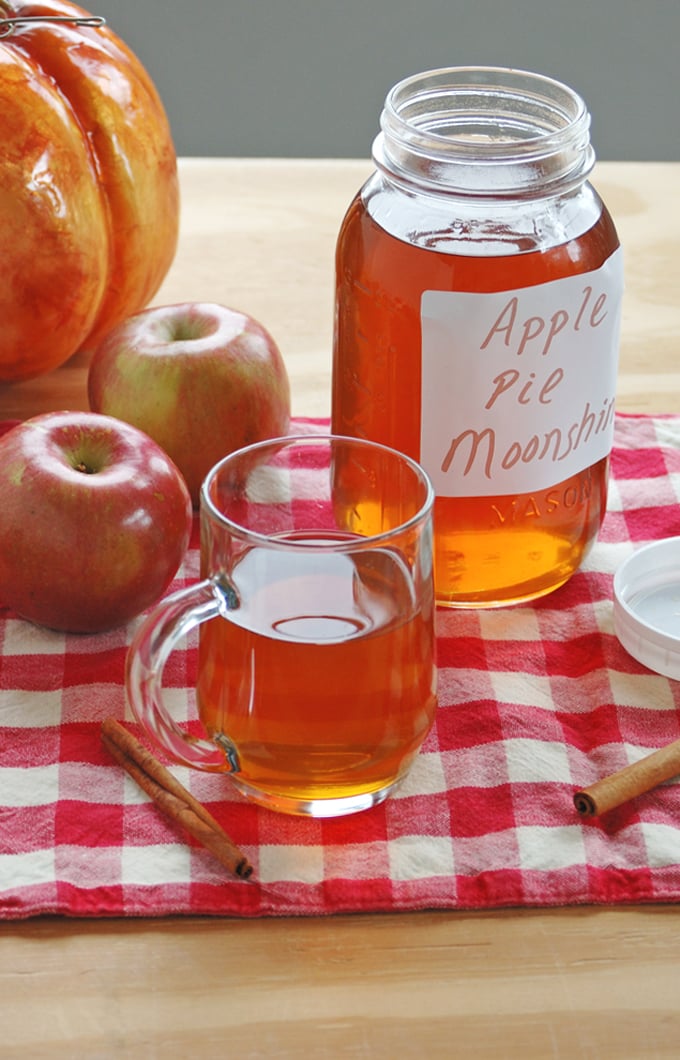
(323,678)
(489,550)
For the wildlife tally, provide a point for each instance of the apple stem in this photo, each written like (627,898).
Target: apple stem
(82,466)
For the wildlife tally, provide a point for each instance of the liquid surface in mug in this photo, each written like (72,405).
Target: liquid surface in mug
(324,677)
(488,550)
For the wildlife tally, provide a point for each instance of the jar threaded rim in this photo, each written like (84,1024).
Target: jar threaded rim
(485,131)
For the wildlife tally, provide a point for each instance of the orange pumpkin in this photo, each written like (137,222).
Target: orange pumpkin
(89,200)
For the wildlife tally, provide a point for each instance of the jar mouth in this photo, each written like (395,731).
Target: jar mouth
(486,130)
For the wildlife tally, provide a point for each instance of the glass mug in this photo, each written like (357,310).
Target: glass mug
(316,661)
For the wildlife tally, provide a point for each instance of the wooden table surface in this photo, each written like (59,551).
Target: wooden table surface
(566,983)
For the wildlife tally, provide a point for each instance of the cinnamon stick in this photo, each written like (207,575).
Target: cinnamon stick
(612,791)
(172,797)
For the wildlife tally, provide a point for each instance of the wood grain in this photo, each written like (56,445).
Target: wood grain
(568,983)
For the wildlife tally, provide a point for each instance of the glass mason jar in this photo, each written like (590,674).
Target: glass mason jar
(478,292)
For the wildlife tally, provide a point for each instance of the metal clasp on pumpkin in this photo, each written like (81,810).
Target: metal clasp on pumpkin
(8,25)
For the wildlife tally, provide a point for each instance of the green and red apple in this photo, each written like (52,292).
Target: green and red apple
(200,378)
(95,520)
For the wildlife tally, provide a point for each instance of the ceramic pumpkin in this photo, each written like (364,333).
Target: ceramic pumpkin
(89,201)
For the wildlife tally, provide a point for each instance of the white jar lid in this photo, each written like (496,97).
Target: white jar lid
(647,606)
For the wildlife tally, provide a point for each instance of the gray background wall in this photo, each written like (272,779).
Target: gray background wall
(307,78)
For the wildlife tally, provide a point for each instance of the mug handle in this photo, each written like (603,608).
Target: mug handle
(157,637)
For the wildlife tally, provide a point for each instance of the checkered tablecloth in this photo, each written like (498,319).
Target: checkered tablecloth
(535,701)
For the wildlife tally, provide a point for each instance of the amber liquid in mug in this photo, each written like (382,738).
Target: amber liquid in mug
(323,678)
(488,550)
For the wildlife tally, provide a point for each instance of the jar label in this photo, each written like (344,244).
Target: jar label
(518,387)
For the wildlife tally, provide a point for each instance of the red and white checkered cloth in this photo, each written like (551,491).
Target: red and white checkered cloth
(535,702)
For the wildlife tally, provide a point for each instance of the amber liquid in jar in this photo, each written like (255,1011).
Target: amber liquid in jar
(489,550)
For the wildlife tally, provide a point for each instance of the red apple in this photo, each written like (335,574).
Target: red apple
(199,378)
(94,521)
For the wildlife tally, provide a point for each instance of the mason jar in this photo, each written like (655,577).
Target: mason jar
(478,293)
